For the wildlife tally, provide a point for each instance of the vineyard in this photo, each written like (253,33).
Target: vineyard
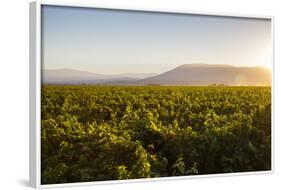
(93,133)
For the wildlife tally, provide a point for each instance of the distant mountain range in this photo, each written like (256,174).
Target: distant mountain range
(188,74)
(70,76)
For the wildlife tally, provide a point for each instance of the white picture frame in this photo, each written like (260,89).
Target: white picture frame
(35,92)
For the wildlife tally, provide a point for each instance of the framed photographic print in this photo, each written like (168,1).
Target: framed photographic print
(121,94)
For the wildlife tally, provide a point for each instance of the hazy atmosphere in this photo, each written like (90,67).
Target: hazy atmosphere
(134,95)
(113,41)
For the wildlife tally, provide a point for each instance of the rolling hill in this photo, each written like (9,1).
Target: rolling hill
(197,74)
(207,74)
(70,76)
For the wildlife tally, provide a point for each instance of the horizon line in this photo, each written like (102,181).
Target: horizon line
(229,65)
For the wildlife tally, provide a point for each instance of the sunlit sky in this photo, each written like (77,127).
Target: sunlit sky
(118,41)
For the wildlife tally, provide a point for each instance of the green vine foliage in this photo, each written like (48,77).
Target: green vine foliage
(93,133)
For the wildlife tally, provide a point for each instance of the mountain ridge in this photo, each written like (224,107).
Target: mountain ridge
(65,76)
(201,74)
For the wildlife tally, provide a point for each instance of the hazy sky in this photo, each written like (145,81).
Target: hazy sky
(115,41)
